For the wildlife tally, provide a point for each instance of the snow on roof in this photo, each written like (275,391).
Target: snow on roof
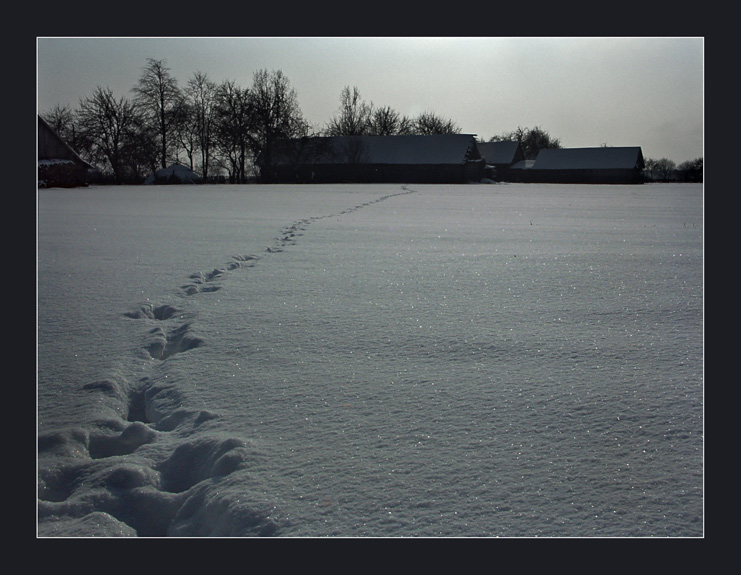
(601,158)
(523,165)
(176,171)
(46,149)
(54,161)
(498,152)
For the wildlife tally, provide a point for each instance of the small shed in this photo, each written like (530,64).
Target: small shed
(444,158)
(173,175)
(58,164)
(603,165)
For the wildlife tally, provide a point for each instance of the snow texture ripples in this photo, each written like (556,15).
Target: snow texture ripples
(91,481)
(444,361)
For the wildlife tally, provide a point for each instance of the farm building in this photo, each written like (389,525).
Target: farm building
(446,158)
(172,175)
(603,165)
(499,157)
(58,164)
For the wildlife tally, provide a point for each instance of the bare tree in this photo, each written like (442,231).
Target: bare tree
(106,125)
(201,98)
(158,95)
(141,149)
(385,121)
(275,114)
(185,133)
(232,125)
(429,123)
(353,117)
(62,121)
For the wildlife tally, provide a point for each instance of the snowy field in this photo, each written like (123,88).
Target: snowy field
(370,361)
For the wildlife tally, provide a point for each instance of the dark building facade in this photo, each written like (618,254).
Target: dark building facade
(445,158)
(603,165)
(58,164)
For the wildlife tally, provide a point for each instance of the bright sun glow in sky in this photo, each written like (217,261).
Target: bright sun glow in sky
(644,92)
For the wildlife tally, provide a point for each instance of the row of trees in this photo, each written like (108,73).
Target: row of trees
(212,128)
(664,170)
(356,117)
(216,127)
(224,128)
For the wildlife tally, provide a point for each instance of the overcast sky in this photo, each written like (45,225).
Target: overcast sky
(644,92)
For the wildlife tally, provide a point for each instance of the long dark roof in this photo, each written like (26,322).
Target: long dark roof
(51,146)
(627,157)
(416,150)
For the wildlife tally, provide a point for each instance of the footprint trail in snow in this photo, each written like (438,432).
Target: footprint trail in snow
(166,497)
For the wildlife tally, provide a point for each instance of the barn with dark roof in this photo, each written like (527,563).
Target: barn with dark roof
(58,164)
(603,165)
(434,159)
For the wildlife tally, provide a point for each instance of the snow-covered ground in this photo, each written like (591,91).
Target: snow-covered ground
(375,360)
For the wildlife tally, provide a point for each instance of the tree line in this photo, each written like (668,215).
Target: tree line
(664,170)
(211,128)
(217,129)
